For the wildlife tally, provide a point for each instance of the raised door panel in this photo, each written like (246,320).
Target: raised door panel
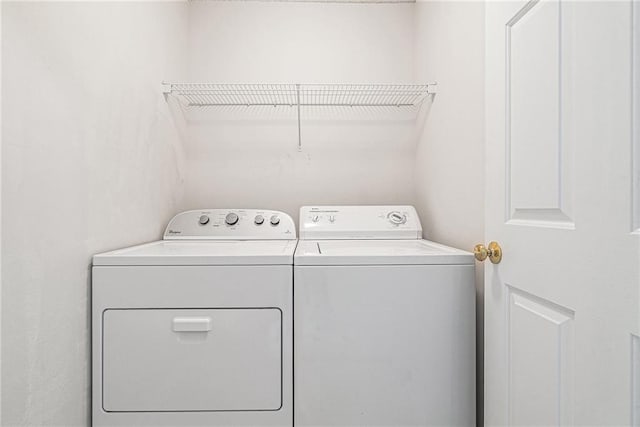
(540,337)
(538,164)
(635,226)
(635,380)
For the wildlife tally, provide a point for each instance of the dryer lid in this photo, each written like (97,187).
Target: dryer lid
(378,252)
(209,252)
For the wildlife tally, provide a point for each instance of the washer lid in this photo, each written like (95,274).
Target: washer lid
(203,252)
(378,252)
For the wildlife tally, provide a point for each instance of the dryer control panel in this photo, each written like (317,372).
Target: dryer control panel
(359,222)
(231,224)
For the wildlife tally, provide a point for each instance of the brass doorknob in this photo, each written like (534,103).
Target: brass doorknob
(494,252)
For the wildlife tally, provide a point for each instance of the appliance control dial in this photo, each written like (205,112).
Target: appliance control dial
(332,218)
(259,220)
(275,220)
(204,220)
(231,218)
(315,218)
(397,218)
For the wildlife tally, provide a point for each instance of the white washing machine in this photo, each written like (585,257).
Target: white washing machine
(384,322)
(196,329)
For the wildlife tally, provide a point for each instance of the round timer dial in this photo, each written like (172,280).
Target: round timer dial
(397,218)
(231,219)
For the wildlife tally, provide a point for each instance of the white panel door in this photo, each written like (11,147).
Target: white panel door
(561,309)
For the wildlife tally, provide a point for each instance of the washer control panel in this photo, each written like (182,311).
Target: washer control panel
(359,222)
(231,224)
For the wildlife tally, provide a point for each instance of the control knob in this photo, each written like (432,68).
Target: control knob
(204,220)
(397,218)
(231,218)
(259,220)
(274,220)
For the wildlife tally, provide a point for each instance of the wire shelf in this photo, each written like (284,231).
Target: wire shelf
(305,95)
(363,95)
(232,95)
(194,95)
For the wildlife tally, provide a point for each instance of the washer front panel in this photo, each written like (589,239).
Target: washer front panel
(389,345)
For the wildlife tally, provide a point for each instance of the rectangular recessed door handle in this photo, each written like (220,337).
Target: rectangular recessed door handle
(191,324)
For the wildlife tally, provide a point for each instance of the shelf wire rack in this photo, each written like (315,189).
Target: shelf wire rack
(232,95)
(298,95)
(363,95)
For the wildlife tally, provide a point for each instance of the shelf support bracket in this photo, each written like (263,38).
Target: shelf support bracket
(299,131)
(166,90)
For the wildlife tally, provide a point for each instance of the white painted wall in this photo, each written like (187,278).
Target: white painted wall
(346,158)
(449,178)
(91,161)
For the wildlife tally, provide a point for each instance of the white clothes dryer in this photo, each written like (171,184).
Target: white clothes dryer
(384,322)
(196,329)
